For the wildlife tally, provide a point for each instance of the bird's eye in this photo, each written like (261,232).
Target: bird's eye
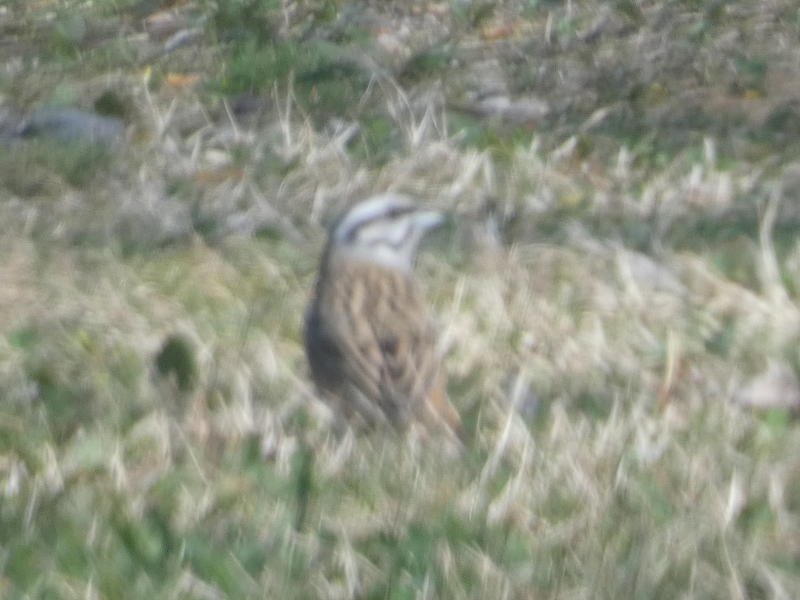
(397,211)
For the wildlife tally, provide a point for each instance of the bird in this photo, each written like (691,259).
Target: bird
(370,341)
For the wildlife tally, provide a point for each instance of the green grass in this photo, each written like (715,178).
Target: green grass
(614,282)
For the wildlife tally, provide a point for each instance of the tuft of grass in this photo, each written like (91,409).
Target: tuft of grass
(610,279)
(38,167)
(325,82)
(176,359)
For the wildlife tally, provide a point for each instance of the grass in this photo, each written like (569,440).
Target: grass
(612,281)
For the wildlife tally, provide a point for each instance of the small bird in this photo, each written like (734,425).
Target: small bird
(369,340)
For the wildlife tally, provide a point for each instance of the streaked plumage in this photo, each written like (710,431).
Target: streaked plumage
(369,340)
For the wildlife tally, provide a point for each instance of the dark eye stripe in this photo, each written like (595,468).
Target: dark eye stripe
(400,210)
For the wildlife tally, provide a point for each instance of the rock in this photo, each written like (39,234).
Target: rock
(776,388)
(72,125)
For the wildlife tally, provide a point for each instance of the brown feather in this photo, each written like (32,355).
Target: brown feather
(376,318)
(370,342)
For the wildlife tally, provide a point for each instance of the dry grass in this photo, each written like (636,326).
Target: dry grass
(606,310)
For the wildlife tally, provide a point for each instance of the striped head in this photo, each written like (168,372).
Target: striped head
(385,229)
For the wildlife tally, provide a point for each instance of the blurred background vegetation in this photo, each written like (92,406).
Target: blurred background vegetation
(616,291)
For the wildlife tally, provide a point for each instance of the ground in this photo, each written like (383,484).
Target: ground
(616,290)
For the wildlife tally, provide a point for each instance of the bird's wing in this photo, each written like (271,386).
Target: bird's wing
(387,342)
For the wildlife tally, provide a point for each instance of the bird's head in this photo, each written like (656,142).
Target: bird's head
(385,229)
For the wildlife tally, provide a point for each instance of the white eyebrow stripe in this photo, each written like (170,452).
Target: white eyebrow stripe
(380,206)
